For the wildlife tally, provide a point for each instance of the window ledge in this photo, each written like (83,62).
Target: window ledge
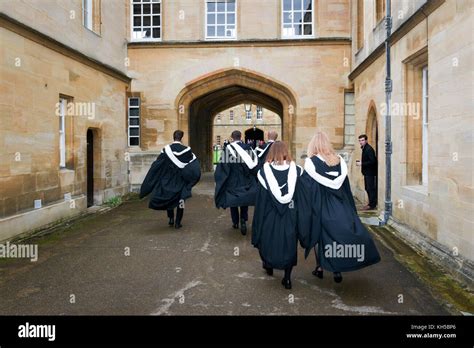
(213,39)
(298,37)
(379,23)
(66,170)
(92,31)
(144,40)
(420,191)
(359,50)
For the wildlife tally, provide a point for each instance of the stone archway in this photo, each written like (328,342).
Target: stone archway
(209,94)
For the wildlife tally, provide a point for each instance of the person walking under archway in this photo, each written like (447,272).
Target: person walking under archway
(235,177)
(171,178)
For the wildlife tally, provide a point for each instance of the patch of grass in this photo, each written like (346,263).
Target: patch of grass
(113,202)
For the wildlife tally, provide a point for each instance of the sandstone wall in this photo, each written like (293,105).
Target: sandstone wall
(442,210)
(32,79)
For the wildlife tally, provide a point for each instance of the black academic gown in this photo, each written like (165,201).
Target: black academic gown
(328,218)
(167,182)
(274,222)
(262,154)
(236,182)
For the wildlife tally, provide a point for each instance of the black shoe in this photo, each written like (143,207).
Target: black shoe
(178,226)
(171,222)
(243,227)
(235,226)
(286,283)
(337,277)
(318,272)
(269,270)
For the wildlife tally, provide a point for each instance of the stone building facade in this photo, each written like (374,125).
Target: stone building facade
(189,74)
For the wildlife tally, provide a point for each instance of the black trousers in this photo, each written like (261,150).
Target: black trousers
(287,270)
(370,183)
(179,214)
(234,213)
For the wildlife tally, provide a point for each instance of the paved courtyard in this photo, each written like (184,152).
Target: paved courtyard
(204,268)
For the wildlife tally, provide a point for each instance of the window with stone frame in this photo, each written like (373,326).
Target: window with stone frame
(349,118)
(297,18)
(221,22)
(91,15)
(259,113)
(146,20)
(248,115)
(133,121)
(231,115)
(415,112)
(66,160)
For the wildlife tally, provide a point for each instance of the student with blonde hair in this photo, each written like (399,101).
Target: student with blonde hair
(275,217)
(327,218)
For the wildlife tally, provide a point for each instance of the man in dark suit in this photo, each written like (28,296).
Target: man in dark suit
(236,183)
(369,171)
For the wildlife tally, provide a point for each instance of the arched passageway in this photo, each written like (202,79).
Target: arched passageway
(203,98)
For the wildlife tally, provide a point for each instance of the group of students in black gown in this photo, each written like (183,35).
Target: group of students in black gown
(311,205)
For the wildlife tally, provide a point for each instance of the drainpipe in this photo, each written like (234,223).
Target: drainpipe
(388,121)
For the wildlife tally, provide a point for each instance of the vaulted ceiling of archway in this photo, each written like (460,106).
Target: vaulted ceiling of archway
(225,98)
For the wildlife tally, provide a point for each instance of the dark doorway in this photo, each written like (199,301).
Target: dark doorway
(254,134)
(90,168)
